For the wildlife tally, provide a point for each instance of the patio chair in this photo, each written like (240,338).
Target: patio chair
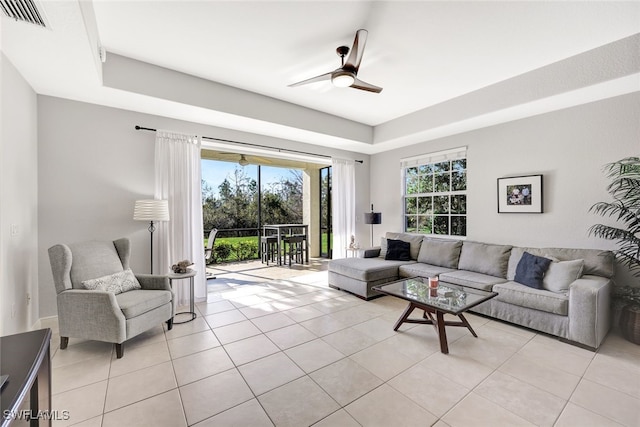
(208,250)
(100,299)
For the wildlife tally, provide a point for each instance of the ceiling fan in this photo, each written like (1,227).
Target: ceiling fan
(243,160)
(347,75)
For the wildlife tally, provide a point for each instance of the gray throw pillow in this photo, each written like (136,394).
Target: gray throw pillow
(561,274)
(117,283)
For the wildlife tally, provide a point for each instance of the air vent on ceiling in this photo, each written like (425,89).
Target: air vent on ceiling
(23,10)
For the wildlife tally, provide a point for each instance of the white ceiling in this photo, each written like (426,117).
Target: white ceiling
(421,53)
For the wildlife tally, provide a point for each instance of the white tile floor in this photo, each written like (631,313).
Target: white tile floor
(276,346)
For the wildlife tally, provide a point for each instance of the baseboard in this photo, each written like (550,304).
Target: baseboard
(50,322)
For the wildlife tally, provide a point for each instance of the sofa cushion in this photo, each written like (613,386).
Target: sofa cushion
(422,270)
(537,299)
(397,250)
(531,269)
(415,240)
(561,274)
(485,258)
(471,279)
(440,252)
(135,303)
(366,269)
(596,262)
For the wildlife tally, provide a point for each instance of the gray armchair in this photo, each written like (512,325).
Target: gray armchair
(102,315)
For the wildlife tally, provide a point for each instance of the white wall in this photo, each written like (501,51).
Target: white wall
(94,165)
(569,147)
(18,207)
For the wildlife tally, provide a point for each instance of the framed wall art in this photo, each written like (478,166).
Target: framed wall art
(520,194)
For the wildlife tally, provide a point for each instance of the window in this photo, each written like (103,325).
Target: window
(435,193)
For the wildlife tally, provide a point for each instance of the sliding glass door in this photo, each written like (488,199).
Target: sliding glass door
(326,231)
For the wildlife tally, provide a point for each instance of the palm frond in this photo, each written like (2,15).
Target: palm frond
(625,208)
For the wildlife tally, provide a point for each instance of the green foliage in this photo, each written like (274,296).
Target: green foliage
(625,208)
(236,205)
(235,249)
(221,251)
(246,249)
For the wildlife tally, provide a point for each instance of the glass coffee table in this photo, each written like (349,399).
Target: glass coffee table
(446,299)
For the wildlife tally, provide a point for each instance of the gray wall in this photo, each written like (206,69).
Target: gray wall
(569,147)
(18,207)
(94,165)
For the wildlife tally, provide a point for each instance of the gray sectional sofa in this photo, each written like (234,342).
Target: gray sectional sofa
(573,305)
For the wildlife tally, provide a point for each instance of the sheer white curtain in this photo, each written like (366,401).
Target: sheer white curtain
(178,180)
(343,199)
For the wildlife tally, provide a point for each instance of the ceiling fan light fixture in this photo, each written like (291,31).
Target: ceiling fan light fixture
(343,79)
(243,160)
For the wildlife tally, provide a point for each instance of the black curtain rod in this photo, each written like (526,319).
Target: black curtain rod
(253,145)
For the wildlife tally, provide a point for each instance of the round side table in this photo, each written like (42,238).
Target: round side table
(188,275)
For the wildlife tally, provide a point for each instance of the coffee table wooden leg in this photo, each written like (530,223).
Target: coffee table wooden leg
(404,316)
(442,334)
(467,324)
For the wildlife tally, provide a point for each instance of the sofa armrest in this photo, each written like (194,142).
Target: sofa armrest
(93,315)
(589,310)
(154,281)
(372,252)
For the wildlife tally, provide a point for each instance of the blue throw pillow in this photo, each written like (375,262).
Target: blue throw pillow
(398,250)
(530,270)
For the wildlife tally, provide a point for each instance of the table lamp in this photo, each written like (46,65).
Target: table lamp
(151,210)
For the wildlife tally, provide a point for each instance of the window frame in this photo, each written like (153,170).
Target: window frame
(425,166)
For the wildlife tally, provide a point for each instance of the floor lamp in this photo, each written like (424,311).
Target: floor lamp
(372,218)
(151,210)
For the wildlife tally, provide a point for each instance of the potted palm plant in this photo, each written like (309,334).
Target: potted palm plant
(625,209)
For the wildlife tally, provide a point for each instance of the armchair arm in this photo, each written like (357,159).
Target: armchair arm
(91,315)
(158,282)
(154,281)
(589,310)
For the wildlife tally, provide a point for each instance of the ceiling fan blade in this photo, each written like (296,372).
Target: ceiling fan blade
(320,78)
(355,55)
(359,84)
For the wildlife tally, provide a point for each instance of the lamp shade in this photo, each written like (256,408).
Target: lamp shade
(151,210)
(373,218)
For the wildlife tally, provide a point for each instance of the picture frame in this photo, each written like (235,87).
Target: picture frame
(520,194)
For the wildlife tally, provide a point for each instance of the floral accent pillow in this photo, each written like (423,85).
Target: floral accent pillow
(117,283)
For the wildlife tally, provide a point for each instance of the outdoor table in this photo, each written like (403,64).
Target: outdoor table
(279,228)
